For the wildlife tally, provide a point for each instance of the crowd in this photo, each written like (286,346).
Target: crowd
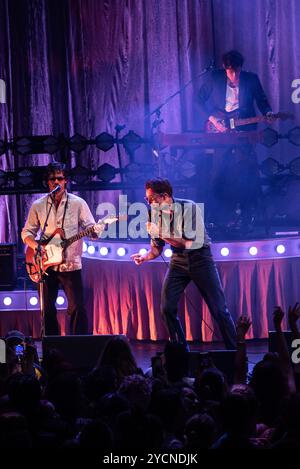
(117,406)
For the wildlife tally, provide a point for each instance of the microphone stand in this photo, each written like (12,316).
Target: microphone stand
(38,260)
(155,126)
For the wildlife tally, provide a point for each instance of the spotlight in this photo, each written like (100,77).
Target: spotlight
(3,178)
(84,247)
(294,167)
(106,172)
(2,147)
(294,136)
(142,251)
(104,141)
(77,143)
(103,251)
(25,177)
(224,252)
(271,167)
(79,174)
(121,252)
(60,300)
(168,252)
(280,249)
(132,141)
(270,137)
(253,251)
(33,301)
(91,250)
(7,301)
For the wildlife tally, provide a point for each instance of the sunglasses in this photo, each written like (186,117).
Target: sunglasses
(153,198)
(58,178)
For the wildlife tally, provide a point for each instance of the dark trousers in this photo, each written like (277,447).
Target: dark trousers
(71,283)
(198,266)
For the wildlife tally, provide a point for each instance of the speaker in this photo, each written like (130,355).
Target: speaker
(273,342)
(8,268)
(224,360)
(81,351)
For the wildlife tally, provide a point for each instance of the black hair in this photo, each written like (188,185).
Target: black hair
(160,186)
(55,167)
(233,59)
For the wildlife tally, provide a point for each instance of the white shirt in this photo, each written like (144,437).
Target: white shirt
(232,98)
(77,217)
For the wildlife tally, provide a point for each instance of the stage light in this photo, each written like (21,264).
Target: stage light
(280,249)
(84,247)
(33,301)
(294,136)
(77,143)
(271,167)
(103,251)
(270,137)
(253,251)
(7,301)
(168,252)
(25,177)
(294,167)
(133,172)
(3,178)
(91,250)
(106,172)
(79,174)
(2,147)
(60,300)
(104,141)
(37,144)
(121,252)
(143,251)
(132,141)
(224,252)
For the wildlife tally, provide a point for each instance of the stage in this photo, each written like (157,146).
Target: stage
(122,298)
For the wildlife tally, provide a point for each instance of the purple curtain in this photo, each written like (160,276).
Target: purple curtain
(86,65)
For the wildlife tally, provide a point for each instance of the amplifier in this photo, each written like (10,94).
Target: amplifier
(8,268)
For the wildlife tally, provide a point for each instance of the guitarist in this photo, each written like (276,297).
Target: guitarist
(69,212)
(232,89)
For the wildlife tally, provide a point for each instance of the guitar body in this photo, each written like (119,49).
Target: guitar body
(225,118)
(54,255)
(55,246)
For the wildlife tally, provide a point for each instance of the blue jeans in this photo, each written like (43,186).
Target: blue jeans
(197,265)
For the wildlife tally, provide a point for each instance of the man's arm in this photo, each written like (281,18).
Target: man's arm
(153,253)
(31,228)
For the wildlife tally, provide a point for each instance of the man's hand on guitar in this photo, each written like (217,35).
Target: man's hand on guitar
(218,124)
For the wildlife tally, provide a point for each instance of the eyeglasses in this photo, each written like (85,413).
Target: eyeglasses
(58,178)
(153,198)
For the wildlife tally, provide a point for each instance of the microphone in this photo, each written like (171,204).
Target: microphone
(56,189)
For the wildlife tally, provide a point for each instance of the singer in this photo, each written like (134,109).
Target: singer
(70,213)
(191,261)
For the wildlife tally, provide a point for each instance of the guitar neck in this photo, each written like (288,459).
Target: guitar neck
(249,120)
(87,232)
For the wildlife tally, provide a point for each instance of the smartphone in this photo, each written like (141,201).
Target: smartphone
(19,350)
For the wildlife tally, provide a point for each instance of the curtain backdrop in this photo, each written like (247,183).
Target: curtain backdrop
(122,298)
(86,65)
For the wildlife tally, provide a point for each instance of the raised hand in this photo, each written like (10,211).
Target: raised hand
(293,314)
(242,327)
(278,316)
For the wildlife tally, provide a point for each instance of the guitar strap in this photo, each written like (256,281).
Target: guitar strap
(63,220)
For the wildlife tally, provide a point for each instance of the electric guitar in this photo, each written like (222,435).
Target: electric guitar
(231,120)
(55,247)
